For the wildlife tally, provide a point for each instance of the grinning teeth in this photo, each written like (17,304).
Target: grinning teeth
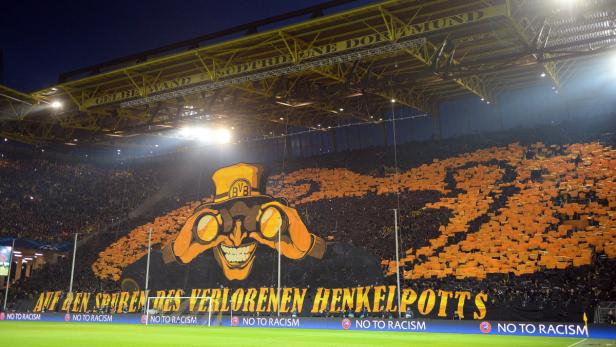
(236,254)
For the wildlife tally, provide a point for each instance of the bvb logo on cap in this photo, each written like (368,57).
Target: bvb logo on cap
(239,188)
(238,181)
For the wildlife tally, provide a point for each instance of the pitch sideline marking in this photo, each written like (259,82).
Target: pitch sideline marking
(576,343)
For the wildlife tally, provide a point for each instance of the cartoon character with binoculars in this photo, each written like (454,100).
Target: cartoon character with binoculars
(239,219)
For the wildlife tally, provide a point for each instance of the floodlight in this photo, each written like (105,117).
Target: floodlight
(542,74)
(222,136)
(185,132)
(195,133)
(56,104)
(568,3)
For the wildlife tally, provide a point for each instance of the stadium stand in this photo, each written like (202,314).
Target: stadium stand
(527,220)
(441,170)
(48,200)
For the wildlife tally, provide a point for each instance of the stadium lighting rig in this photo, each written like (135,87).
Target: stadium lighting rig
(308,65)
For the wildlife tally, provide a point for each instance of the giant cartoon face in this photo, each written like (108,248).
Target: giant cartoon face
(240,219)
(230,227)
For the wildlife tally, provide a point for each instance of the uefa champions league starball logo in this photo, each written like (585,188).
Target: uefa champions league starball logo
(346,323)
(485,327)
(235,321)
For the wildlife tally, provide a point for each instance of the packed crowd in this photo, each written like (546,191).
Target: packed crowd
(499,210)
(49,201)
(526,218)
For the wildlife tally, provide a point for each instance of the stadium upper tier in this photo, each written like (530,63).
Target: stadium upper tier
(515,209)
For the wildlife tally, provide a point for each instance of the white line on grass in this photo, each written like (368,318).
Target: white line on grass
(573,344)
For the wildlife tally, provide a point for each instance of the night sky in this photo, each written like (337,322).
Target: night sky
(42,39)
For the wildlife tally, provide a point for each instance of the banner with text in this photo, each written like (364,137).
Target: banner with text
(381,300)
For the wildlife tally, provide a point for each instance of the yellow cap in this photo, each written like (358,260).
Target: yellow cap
(237,181)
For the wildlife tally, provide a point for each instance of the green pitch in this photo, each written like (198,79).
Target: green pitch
(33,334)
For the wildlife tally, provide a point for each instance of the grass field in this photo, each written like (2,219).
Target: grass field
(34,334)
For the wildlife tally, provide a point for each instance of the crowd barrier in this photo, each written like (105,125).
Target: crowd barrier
(553,329)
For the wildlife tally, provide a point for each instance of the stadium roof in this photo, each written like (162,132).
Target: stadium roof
(320,71)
